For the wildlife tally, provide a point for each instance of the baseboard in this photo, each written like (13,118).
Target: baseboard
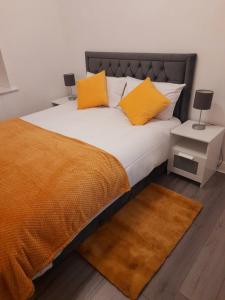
(222,167)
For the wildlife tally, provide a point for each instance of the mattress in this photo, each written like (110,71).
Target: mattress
(139,148)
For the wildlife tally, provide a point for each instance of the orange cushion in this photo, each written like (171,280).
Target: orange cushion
(92,91)
(143,103)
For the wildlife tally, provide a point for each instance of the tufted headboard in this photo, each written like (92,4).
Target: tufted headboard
(175,68)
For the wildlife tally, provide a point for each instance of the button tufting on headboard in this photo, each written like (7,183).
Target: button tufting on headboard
(175,68)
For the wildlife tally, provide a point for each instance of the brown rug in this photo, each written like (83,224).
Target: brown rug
(130,248)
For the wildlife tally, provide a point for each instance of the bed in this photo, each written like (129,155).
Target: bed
(137,148)
(174,68)
(162,67)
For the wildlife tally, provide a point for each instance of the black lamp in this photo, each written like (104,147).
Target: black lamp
(69,80)
(203,100)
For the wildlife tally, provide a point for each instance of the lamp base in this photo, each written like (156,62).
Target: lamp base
(71,95)
(198,126)
(71,98)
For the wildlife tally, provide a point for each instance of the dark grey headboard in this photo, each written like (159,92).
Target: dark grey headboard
(175,68)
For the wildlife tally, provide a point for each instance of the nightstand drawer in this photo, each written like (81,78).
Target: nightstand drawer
(185,164)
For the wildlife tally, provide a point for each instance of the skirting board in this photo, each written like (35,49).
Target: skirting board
(221,168)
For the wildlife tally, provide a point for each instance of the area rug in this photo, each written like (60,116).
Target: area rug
(130,247)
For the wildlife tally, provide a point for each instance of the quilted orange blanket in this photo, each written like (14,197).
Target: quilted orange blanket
(51,186)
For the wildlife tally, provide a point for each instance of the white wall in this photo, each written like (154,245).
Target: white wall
(43,39)
(154,26)
(33,44)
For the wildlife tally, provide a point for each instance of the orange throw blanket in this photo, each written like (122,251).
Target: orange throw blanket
(51,186)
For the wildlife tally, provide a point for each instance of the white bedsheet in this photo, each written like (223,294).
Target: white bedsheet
(139,148)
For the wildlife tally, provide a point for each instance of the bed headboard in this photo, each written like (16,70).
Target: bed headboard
(175,68)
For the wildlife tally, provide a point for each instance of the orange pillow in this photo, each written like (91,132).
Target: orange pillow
(143,103)
(92,91)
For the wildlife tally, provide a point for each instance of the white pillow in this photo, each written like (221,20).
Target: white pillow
(115,87)
(171,90)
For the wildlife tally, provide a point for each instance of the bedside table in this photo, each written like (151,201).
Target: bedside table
(195,153)
(61,101)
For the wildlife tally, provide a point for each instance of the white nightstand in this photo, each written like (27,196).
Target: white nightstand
(61,101)
(195,153)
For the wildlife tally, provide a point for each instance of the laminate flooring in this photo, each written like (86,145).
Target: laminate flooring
(195,270)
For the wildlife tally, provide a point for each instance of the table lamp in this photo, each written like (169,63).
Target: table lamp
(202,101)
(69,80)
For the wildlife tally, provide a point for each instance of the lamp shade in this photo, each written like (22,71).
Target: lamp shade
(69,79)
(203,99)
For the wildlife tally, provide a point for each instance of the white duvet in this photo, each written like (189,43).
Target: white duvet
(139,148)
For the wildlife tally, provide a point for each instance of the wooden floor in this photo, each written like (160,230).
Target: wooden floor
(195,270)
